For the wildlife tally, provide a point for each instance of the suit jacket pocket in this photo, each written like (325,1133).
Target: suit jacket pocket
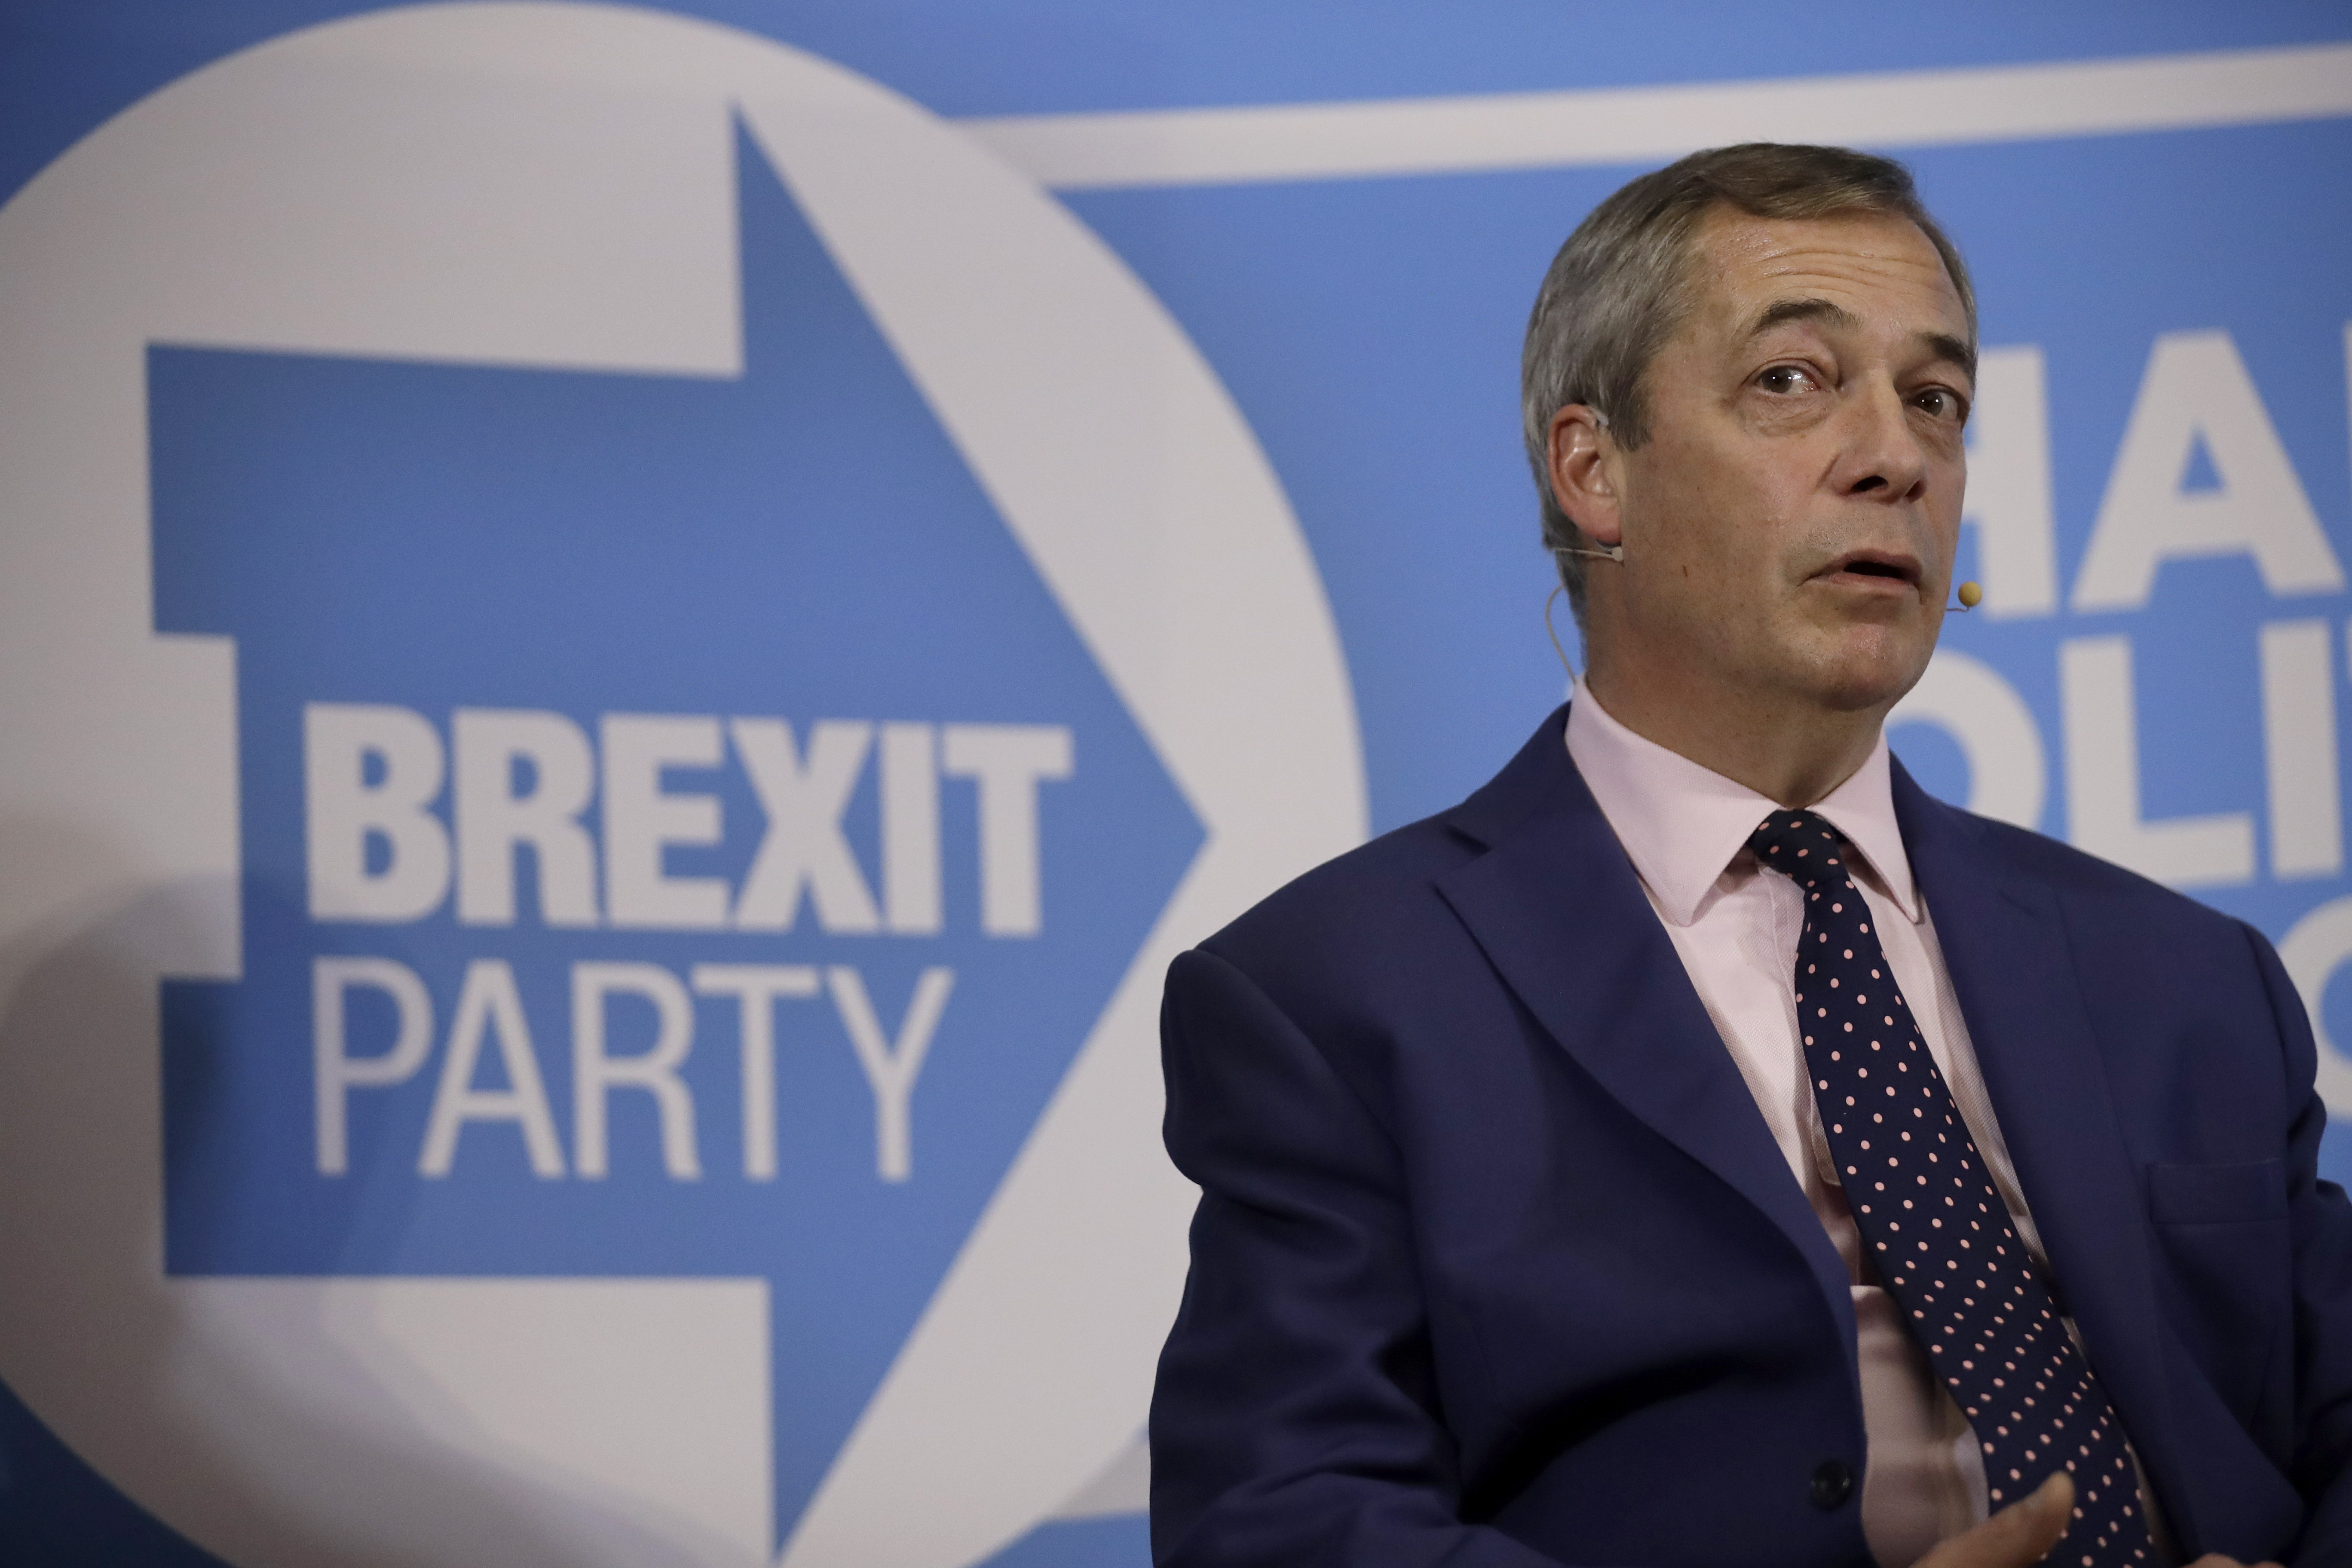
(2228,1291)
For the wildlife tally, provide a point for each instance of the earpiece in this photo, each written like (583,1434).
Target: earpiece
(1612,552)
(1549,632)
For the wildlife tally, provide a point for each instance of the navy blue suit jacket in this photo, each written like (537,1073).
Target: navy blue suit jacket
(1496,1263)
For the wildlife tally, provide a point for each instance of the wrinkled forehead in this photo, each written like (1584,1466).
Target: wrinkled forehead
(1852,273)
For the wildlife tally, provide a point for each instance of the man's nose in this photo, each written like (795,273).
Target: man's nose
(1881,457)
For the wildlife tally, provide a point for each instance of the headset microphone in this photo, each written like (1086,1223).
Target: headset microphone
(1970,594)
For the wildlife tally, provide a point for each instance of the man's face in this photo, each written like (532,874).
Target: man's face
(1789,523)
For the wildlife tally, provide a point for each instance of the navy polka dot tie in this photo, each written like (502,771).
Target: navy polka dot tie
(1935,1227)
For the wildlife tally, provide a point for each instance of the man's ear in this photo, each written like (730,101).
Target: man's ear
(1582,462)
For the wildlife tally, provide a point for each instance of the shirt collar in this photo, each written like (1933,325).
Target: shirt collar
(1683,825)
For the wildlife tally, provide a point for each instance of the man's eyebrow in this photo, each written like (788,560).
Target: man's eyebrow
(1945,346)
(1780,313)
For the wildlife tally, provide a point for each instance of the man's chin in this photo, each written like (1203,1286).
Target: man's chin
(1857,679)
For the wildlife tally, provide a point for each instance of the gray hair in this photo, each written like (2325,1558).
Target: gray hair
(1623,283)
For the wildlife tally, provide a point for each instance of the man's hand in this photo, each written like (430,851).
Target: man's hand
(2022,1534)
(2018,1536)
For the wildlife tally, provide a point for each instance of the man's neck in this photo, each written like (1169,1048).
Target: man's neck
(1794,753)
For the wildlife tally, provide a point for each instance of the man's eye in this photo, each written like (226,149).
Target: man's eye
(1787,378)
(1941,402)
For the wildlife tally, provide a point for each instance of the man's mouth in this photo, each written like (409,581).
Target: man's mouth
(1889,567)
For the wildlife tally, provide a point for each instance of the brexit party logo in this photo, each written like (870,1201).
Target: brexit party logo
(706,644)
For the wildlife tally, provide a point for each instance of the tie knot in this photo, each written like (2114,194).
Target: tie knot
(1793,841)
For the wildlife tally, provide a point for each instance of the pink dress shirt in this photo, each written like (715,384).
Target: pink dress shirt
(1686,829)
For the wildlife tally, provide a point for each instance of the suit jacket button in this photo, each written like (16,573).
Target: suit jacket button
(1832,1483)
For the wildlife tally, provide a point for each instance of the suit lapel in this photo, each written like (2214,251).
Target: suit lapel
(2005,944)
(1559,910)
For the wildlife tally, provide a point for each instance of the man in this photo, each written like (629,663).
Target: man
(1551,1213)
